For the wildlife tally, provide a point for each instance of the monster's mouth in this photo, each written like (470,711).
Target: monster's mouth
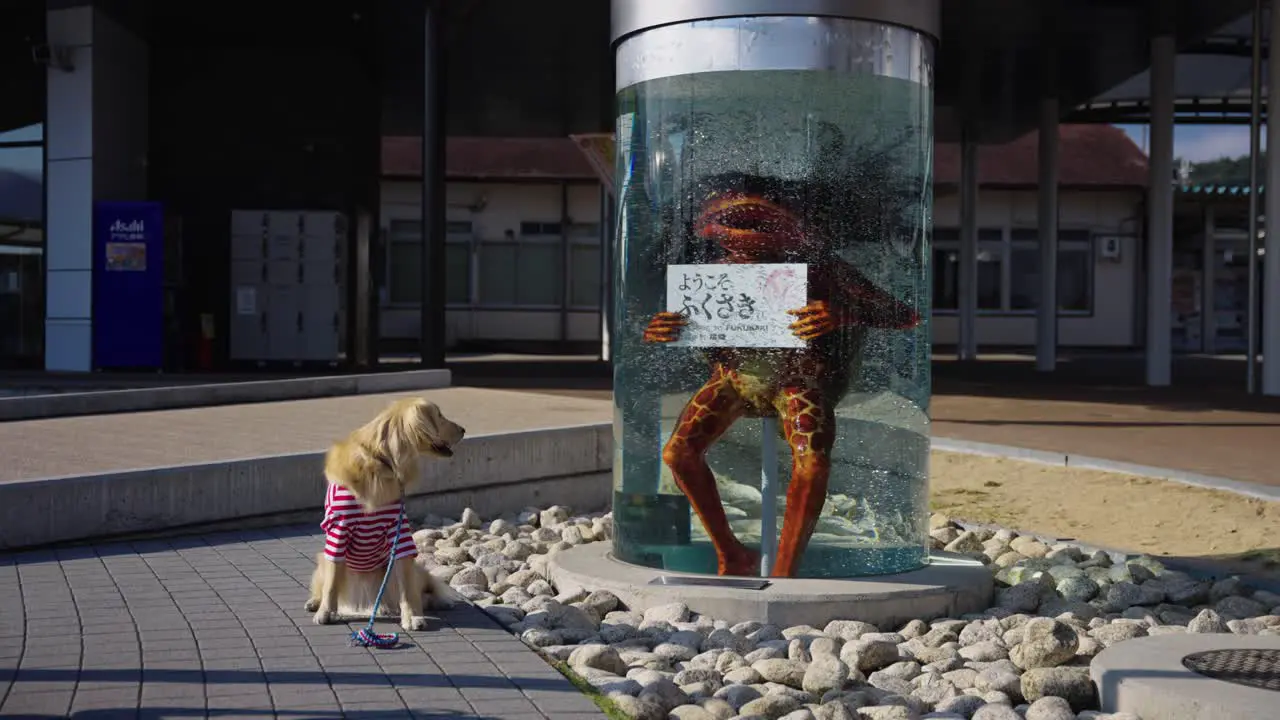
(739,214)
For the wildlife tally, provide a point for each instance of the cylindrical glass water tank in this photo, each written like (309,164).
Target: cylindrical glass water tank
(771,313)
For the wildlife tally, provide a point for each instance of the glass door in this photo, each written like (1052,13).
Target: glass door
(22,247)
(1231,294)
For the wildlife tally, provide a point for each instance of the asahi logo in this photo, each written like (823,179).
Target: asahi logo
(134,226)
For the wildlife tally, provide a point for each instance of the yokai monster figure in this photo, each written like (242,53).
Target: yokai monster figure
(800,387)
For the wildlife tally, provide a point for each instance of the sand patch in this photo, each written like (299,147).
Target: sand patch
(1108,509)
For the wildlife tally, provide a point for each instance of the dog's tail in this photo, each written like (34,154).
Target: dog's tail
(440,595)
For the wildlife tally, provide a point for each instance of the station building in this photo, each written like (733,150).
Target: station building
(283,162)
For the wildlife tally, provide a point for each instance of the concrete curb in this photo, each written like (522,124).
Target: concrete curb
(493,473)
(951,586)
(182,396)
(1239,487)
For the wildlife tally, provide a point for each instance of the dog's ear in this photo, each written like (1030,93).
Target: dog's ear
(420,425)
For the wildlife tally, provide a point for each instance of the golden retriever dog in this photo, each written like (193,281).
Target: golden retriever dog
(369,474)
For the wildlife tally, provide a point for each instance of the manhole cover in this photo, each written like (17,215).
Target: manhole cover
(1254,668)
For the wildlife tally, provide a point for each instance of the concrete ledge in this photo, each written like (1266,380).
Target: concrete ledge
(180,396)
(492,473)
(1046,457)
(951,586)
(1146,677)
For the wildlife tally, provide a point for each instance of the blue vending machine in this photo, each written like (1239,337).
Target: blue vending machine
(128,285)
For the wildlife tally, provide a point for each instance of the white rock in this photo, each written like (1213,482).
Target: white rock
(669,613)
(825,673)
(552,516)
(771,706)
(638,709)
(786,672)
(962,706)
(1050,708)
(1045,643)
(738,695)
(470,519)
(572,534)
(470,576)
(887,712)
(665,694)
(996,712)
(1207,621)
(743,676)
(600,657)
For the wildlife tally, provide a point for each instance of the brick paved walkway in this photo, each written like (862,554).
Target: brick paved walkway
(213,626)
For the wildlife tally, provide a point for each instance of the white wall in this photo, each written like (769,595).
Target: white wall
(505,206)
(95,149)
(1112,321)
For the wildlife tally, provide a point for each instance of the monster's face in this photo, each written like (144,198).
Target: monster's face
(750,226)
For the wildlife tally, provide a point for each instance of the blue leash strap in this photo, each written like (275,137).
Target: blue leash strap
(365,636)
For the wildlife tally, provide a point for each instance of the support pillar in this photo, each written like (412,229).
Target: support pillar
(1047,216)
(1255,148)
(90,156)
(1208,319)
(1160,214)
(967,281)
(1270,321)
(434,273)
(606,270)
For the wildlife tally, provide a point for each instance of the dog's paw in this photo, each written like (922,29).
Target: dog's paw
(413,624)
(312,605)
(324,617)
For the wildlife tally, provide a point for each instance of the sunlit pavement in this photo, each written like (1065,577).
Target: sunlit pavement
(213,626)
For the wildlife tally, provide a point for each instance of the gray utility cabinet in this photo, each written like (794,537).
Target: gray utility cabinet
(288,285)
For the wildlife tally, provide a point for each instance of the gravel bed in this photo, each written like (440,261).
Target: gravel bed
(1025,658)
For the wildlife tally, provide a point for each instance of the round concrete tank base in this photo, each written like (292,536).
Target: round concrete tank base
(950,586)
(1146,676)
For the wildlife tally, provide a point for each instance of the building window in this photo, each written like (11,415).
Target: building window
(1075,271)
(404,262)
(946,269)
(22,246)
(540,229)
(584,265)
(1016,291)
(527,271)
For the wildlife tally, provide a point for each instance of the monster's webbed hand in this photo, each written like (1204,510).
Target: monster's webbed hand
(813,320)
(665,327)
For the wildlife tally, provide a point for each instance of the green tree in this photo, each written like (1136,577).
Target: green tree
(1223,171)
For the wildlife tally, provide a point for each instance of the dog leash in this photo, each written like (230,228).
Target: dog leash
(365,636)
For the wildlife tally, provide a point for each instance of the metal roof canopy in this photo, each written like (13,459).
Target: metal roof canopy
(1212,82)
(516,69)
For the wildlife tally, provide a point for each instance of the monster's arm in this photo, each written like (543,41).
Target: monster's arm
(859,302)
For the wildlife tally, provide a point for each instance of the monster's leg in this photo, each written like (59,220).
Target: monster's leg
(711,411)
(808,423)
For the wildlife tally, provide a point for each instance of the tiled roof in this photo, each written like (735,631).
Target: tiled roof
(1090,156)
(1220,190)
(484,158)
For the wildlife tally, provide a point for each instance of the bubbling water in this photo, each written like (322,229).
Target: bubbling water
(850,158)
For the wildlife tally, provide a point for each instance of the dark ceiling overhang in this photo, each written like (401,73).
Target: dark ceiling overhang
(517,68)
(21,79)
(1213,81)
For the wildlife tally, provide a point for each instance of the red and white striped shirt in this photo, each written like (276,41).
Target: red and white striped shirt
(361,538)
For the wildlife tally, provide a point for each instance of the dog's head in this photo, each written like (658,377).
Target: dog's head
(425,428)
(378,462)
